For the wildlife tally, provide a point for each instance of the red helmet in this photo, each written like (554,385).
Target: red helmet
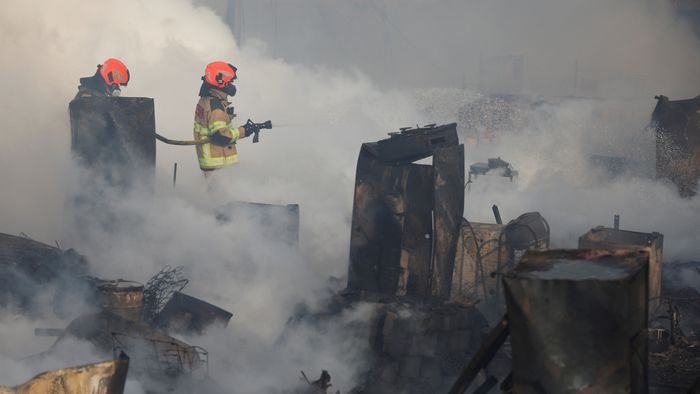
(219,74)
(113,71)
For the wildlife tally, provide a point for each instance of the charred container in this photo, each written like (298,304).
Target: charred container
(578,321)
(529,231)
(122,298)
(610,238)
(407,216)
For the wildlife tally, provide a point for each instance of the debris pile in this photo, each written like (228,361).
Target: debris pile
(674,336)
(129,317)
(108,377)
(600,318)
(485,251)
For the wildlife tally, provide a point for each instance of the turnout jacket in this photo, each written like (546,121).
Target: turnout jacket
(210,117)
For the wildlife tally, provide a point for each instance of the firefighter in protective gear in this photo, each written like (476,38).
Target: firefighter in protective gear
(213,121)
(109,77)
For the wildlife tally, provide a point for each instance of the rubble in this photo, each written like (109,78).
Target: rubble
(485,251)
(674,359)
(411,345)
(108,377)
(565,320)
(322,385)
(129,317)
(189,315)
(28,267)
(156,359)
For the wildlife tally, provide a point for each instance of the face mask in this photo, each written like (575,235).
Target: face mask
(114,90)
(230,89)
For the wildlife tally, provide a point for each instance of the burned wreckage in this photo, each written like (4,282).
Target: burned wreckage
(455,306)
(122,319)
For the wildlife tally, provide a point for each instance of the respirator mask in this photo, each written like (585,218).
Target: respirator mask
(230,89)
(114,90)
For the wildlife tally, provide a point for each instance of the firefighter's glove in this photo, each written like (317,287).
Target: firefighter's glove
(221,140)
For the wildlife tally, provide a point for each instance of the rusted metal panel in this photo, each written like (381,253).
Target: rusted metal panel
(415,144)
(406,216)
(375,232)
(108,377)
(114,138)
(187,314)
(578,321)
(448,207)
(417,231)
(653,243)
(677,126)
(476,259)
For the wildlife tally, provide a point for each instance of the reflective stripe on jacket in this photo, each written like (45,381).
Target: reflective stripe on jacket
(209,119)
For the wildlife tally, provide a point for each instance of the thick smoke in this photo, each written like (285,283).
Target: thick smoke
(321,116)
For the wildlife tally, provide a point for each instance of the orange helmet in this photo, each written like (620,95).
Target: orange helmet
(114,72)
(219,74)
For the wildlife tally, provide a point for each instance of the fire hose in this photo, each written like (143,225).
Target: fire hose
(250,127)
(182,142)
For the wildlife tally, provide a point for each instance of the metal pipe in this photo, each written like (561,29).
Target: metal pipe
(497,214)
(174,174)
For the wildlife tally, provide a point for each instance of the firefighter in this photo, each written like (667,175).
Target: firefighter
(212,118)
(107,81)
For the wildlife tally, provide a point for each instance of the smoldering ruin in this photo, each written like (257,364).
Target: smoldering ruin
(431,213)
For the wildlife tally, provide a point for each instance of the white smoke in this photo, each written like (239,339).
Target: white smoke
(321,116)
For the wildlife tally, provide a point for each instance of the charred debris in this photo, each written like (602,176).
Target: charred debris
(118,316)
(455,306)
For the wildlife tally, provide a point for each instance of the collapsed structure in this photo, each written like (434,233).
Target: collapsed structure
(120,316)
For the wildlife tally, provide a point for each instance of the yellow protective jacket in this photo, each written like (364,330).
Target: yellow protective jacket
(211,117)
